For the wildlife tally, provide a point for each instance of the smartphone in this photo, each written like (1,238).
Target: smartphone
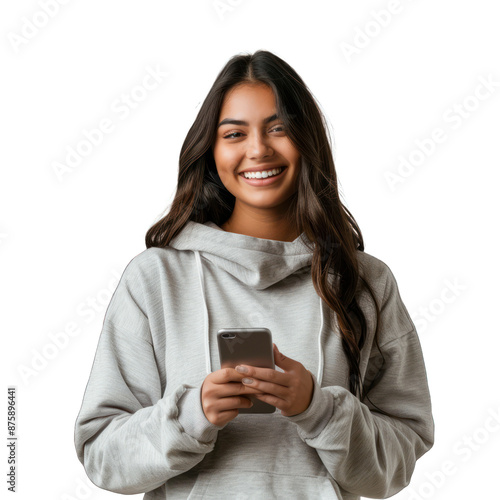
(248,346)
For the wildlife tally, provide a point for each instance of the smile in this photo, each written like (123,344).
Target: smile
(263,174)
(265,177)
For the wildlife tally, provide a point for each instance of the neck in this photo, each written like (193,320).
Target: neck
(268,230)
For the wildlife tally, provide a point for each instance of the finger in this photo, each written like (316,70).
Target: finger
(283,361)
(272,400)
(225,375)
(230,403)
(266,374)
(232,389)
(266,387)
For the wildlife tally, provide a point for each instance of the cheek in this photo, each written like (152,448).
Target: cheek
(226,170)
(296,174)
(225,159)
(227,177)
(293,157)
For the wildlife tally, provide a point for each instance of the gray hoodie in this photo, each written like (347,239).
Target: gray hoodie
(141,426)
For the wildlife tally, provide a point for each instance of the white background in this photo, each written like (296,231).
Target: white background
(65,240)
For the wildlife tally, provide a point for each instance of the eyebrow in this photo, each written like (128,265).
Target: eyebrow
(232,121)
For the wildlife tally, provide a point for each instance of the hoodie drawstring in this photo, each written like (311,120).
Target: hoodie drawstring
(207,336)
(207,333)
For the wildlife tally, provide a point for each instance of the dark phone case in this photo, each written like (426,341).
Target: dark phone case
(250,346)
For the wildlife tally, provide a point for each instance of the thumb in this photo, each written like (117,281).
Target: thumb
(280,359)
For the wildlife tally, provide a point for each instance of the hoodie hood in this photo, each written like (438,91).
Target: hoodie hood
(258,263)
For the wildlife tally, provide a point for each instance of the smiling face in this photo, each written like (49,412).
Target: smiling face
(250,136)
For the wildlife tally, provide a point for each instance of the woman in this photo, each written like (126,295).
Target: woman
(274,249)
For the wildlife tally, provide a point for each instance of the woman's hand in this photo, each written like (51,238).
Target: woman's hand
(291,391)
(222,393)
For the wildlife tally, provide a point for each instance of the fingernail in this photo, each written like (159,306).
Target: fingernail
(241,369)
(247,380)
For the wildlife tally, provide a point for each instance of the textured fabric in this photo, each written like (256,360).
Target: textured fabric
(141,427)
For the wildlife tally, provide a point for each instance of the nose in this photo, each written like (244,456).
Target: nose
(258,147)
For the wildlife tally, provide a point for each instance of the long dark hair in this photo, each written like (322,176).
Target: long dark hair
(315,208)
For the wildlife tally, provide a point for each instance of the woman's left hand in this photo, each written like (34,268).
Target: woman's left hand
(291,391)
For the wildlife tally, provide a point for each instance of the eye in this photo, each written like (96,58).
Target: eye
(231,135)
(279,127)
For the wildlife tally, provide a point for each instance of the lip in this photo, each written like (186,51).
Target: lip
(267,180)
(260,168)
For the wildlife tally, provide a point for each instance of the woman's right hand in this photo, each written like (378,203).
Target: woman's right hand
(222,393)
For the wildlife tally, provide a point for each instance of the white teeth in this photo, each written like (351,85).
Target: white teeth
(263,174)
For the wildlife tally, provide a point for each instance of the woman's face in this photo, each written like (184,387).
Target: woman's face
(255,143)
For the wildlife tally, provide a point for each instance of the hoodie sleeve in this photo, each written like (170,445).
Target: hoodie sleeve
(366,452)
(128,435)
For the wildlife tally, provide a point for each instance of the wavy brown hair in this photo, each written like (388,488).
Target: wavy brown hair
(315,208)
